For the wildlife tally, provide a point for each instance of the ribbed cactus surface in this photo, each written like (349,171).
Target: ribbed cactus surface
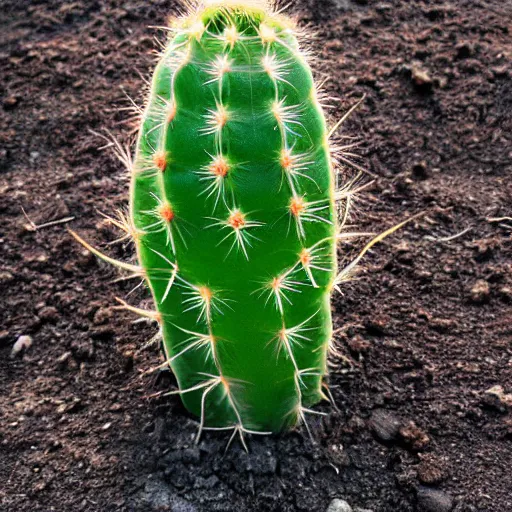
(232,199)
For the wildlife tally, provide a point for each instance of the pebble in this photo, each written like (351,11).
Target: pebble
(22,343)
(338,505)
(497,398)
(414,436)
(6,277)
(10,102)
(431,470)
(421,78)
(49,314)
(385,425)
(506,293)
(434,500)
(480,292)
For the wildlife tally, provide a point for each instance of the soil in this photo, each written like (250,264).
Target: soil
(422,334)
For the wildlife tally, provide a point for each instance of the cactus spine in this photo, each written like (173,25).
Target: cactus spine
(232,203)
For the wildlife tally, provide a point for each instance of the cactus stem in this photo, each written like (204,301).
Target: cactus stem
(196,340)
(160,160)
(310,259)
(165,221)
(276,68)
(226,43)
(216,172)
(237,224)
(294,167)
(204,299)
(231,36)
(196,30)
(173,274)
(277,289)
(287,114)
(215,120)
(215,380)
(221,65)
(302,210)
(267,34)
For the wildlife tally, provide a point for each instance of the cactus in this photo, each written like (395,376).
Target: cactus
(232,198)
(233,213)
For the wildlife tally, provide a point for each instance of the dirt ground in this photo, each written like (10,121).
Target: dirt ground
(422,335)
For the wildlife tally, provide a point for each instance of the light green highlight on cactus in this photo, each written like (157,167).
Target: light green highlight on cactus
(232,193)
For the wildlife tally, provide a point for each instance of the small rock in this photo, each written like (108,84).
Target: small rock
(414,437)
(496,398)
(441,324)
(10,102)
(338,455)
(338,505)
(434,500)
(421,78)
(480,292)
(501,71)
(49,314)
(385,425)
(66,361)
(22,343)
(431,470)
(63,359)
(70,407)
(506,293)
(6,277)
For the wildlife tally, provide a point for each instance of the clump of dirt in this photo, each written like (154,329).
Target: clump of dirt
(423,336)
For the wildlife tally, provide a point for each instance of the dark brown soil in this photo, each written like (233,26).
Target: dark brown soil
(423,334)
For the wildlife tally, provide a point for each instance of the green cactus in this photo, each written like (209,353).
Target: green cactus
(233,205)
(233,214)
